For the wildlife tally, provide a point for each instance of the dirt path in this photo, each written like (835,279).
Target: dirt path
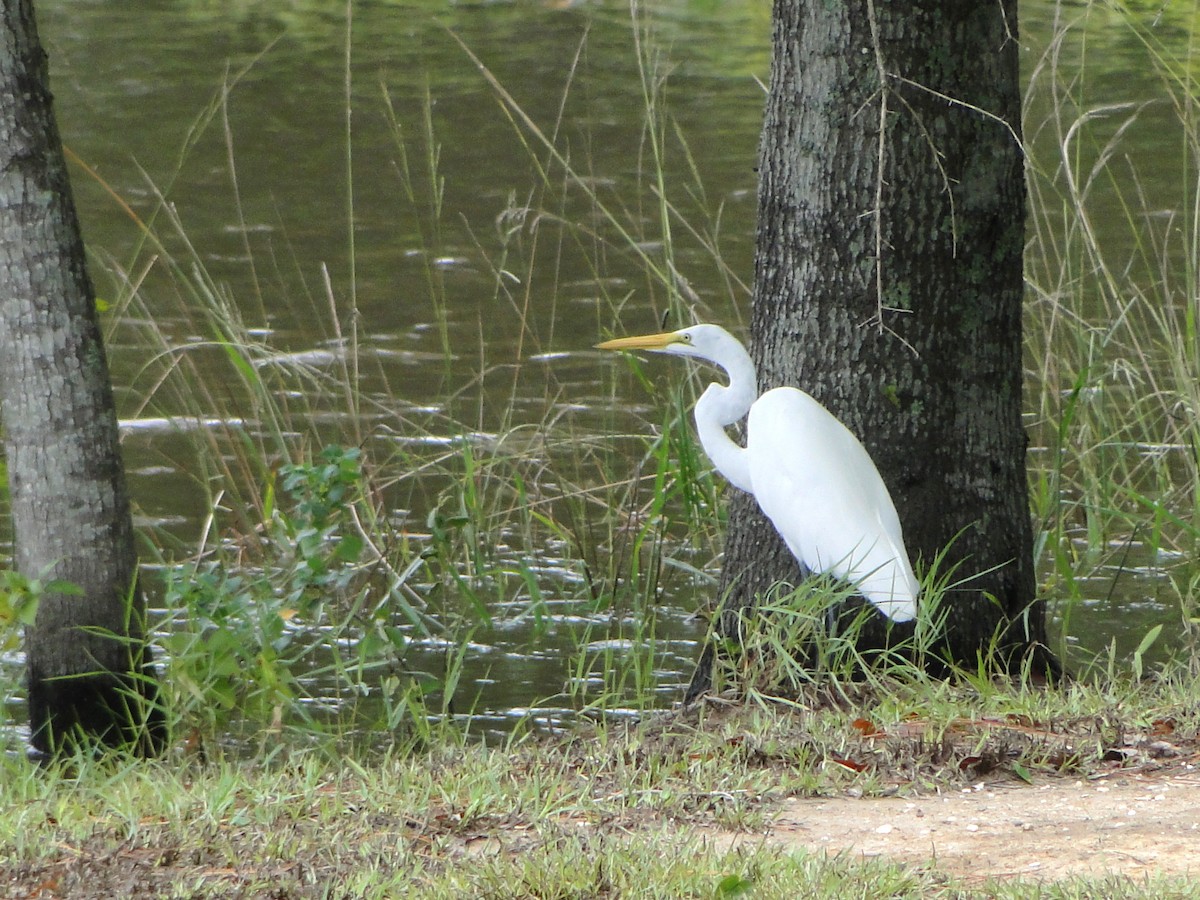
(1123,824)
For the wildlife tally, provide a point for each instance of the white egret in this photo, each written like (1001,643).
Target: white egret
(812,477)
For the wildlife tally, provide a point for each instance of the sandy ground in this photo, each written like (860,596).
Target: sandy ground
(1124,824)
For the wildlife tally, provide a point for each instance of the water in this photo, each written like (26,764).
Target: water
(136,90)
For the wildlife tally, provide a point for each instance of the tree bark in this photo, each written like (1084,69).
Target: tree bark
(89,671)
(889,285)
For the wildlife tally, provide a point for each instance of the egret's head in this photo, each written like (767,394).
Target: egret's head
(702,341)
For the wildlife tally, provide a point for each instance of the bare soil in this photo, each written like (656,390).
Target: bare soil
(1129,825)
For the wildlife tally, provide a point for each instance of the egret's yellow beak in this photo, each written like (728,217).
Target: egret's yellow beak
(641,342)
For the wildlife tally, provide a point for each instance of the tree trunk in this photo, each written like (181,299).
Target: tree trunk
(889,285)
(89,670)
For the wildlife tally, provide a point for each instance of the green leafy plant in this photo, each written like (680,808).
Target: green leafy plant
(19,598)
(326,552)
(242,640)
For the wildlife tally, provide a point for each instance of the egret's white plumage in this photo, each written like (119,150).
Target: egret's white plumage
(812,477)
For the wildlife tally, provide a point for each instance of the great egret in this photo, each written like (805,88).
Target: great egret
(809,473)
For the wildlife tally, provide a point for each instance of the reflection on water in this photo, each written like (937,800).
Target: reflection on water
(460,311)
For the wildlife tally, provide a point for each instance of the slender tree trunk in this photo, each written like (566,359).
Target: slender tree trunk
(889,285)
(89,671)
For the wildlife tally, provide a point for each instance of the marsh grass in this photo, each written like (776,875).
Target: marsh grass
(305,605)
(1114,246)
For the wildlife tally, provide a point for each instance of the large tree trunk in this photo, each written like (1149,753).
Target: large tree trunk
(89,672)
(893,295)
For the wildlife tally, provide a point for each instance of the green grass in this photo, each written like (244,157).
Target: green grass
(647,810)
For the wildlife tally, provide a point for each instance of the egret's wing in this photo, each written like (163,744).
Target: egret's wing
(819,487)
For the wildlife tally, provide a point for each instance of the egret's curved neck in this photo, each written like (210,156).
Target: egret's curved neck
(723,405)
